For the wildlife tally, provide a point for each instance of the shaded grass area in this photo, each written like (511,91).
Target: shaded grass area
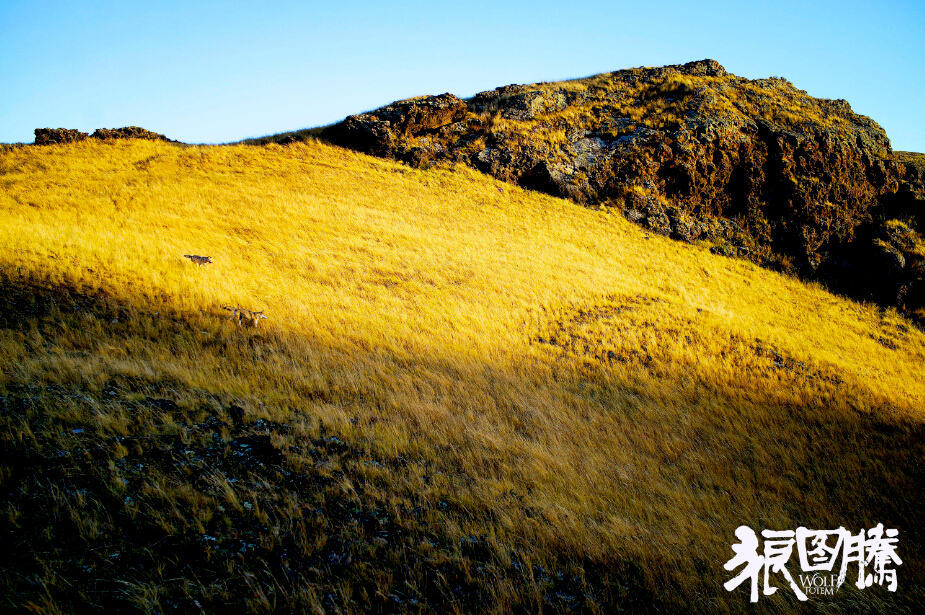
(142,493)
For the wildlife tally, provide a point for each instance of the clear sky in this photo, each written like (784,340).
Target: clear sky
(222,71)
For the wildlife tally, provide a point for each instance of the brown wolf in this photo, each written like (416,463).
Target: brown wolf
(199,260)
(245,318)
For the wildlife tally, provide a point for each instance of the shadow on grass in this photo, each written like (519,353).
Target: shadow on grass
(143,492)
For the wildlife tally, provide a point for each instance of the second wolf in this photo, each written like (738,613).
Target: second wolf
(245,318)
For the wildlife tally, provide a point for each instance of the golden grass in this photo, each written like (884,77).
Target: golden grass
(580,389)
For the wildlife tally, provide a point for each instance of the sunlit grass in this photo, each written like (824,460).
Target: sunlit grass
(581,389)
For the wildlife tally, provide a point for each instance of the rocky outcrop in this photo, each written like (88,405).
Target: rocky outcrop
(756,168)
(895,266)
(909,202)
(912,176)
(382,131)
(50,136)
(127,132)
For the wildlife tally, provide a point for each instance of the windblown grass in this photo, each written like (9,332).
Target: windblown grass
(539,406)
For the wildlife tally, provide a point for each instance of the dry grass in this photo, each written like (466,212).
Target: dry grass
(584,413)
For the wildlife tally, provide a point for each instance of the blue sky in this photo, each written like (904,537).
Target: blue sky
(221,71)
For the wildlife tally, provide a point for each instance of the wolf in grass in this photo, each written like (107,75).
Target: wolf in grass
(199,260)
(245,318)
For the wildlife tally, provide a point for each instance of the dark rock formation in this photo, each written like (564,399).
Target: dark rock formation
(909,202)
(912,177)
(398,125)
(127,132)
(50,136)
(757,168)
(896,266)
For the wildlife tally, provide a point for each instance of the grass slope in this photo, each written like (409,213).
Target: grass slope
(467,397)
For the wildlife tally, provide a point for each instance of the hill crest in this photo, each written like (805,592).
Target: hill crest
(755,168)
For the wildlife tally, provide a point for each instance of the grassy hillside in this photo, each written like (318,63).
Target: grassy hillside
(467,397)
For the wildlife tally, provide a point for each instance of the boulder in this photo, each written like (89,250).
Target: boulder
(127,132)
(382,130)
(50,136)
(527,105)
